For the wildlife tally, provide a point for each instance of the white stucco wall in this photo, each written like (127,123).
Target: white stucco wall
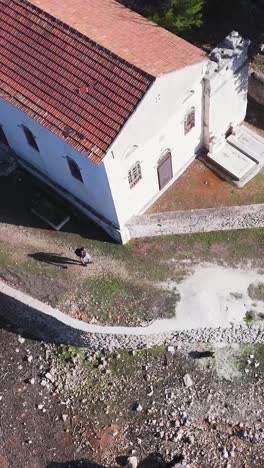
(51,161)
(226,102)
(225,89)
(157,125)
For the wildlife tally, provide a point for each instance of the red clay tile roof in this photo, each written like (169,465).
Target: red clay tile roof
(64,81)
(83,74)
(126,33)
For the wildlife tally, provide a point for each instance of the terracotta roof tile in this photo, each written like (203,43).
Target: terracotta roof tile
(45,69)
(126,33)
(83,73)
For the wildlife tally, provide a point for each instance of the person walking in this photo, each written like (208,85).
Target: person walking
(84,256)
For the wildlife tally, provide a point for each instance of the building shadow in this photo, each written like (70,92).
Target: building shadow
(54,259)
(23,319)
(18,192)
(255,114)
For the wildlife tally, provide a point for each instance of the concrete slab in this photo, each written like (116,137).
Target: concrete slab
(232,161)
(249,143)
(51,212)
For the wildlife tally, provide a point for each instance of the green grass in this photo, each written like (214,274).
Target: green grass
(109,298)
(235,245)
(29,265)
(128,363)
(163,248)
(149,258)
(67,353)
(121,362)
(256,291)
(250,348)
(249,317)
(5,259)
(122,365)
(257,350)
(34,267)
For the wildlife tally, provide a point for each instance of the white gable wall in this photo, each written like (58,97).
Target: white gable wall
(51,161)
(157,125)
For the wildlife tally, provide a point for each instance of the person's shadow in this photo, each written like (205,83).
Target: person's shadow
(54,259)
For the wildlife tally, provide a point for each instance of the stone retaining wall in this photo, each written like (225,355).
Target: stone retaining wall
(202,220)
(256,87)
(34,319)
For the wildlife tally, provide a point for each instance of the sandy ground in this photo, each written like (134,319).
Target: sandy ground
(215,296)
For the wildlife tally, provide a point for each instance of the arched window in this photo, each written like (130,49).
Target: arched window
(130,151)
(134,174)
(74,168)
(30,138)
(189,120)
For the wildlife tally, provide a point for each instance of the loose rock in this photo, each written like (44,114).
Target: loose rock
(132,462)
(187,381)
(21,339)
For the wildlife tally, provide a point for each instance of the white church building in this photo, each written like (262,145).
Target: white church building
(108,109)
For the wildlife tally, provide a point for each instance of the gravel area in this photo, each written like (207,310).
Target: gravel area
(185,405)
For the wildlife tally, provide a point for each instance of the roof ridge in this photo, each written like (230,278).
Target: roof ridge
(125,33)
(83,36)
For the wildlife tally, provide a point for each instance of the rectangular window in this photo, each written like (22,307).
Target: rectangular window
(75,170)
(3,138)
(30,138)
(134,175)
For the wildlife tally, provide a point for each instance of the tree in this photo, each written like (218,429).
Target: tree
(178,16)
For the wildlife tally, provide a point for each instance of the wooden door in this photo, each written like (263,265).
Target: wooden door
(165,170)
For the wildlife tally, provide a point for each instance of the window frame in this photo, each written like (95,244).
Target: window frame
(134,175)
(189,120)
(30,137)
(74,169)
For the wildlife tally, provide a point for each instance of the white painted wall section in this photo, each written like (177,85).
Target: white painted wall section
(157,125)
